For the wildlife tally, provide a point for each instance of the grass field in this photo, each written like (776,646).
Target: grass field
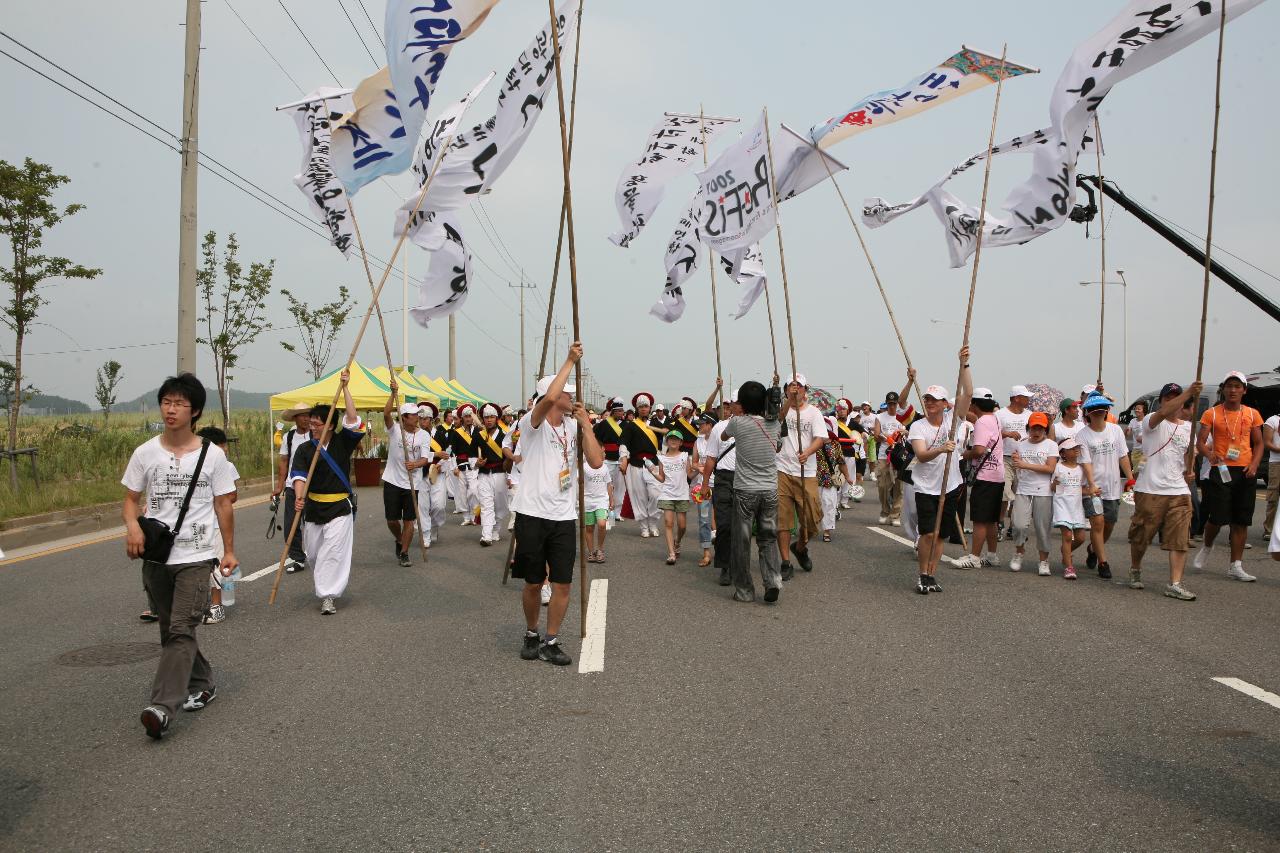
(80,462)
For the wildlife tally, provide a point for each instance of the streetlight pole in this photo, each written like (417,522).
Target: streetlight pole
(524,376)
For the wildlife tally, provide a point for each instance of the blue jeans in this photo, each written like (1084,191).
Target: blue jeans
(758,509)
(704,524)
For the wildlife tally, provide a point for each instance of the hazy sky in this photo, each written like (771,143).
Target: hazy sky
(1033,322)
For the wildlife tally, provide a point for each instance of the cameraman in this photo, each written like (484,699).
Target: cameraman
(755,493)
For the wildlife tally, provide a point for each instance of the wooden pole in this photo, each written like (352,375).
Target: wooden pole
(968,315)
(711,262)
(1102,219)
(1213,178)
(364,324)
(573,114)
(583,588)
(391,368)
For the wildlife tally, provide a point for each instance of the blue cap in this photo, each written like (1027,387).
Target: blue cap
(1097,401)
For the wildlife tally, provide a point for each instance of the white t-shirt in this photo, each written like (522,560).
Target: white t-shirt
(725,461)
(1011,422)
(889,426)
(419,444)
(927,476)
(1070,481)
(868,421)
(1034,482)
(1274,423)
(299,439)
(1165,446)
(1104,451)
(164,479)
(509,443)
(700,444)
(596,488)
(809,422)
(1061,432)
(676,485)
(547,451)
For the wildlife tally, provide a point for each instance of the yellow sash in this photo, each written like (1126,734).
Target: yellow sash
(489,441)
(644,428)
(692,434)
(327,498)
(617,427)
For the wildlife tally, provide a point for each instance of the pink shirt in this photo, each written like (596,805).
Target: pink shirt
(985,431)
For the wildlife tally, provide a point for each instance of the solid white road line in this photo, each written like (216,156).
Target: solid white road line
(260,573)
(591,657)
(905,541)
(1251,690)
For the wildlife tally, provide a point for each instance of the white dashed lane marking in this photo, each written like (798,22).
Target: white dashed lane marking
(1251,690)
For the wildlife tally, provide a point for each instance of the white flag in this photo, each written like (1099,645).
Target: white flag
(735,206)
(744,266)
(448,279)
(315,116)
(1142,35)
(675,142)
(477,157)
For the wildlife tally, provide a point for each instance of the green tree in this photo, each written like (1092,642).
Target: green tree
(104,392)
(233,313)
(27,211)
(8,382)
(318,328)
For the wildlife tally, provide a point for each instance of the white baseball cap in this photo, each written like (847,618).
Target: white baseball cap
(544,385)
(937,392)
(799,379)
(1088,389)
(1068,444)
(1019,391)
(983,394)
(408,408)
(1235,374)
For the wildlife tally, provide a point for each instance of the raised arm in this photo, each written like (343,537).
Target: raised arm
(545,403)
(964,395)
(911,380)
(711,401)
(1170,409)
(352,417)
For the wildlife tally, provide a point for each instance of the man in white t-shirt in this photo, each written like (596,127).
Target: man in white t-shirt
(1162,496)
(888,427)
(164,469)
(1013,428)
(1271,441)
(402,476)
(805,431)
(298,435)
(547,505)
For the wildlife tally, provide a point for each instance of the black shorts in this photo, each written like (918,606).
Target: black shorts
(542,545)
(860,466)
(984,502)
(1231,502)
(927,513)
(397,503)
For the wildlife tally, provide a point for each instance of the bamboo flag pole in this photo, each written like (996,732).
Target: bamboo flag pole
(1102,280)
(573,114)
(935,547)
(583,591)
(711,262)
(364,324)
(391,373)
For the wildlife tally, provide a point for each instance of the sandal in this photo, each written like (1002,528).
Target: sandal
(591,556)
(671,559)
(826,536)
(148,616)
(599,556)
(705,561)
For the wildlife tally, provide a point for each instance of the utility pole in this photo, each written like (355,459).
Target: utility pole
(404,313)
(453,346)
(524,376)
(555,350)
(187,203)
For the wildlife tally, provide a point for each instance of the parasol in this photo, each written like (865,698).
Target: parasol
(824,400)
(1045,398)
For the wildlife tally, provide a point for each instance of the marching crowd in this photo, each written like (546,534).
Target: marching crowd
(766,464)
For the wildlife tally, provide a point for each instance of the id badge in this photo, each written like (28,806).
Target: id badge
(1233,453)
(564,480)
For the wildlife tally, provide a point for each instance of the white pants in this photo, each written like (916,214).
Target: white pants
(644,496)
(465,495)
(619,487)
(830,500)
(910,527)
(492,491)
(431,504)
(328,549)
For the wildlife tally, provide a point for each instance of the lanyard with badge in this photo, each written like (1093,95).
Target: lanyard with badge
(1233,449)
(563,441)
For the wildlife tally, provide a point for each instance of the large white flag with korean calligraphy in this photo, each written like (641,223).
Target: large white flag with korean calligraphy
(676,141)
(1139,37)
(964,71)
(478,157)
(448,279)
(315,115)
(735,206)
(391,105)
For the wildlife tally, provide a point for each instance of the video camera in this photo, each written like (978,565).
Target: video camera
(772,403)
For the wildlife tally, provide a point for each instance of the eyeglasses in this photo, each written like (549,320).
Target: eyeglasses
(169,403)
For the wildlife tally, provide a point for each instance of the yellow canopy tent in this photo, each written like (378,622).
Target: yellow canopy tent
(368,391)
(456,391)
(411,386)
(465,390)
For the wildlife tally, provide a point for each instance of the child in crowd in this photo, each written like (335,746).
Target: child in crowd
(598,497)
(701,491)
(673,471)
(1035,459)
(216,612)
(831,462)
(1068,507)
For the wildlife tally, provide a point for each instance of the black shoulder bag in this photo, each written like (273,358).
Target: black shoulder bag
(159,538)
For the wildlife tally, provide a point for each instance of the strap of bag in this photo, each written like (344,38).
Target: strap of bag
(191,487)
(333,466)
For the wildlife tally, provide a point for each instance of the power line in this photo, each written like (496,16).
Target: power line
(371,24)
(359,37)
(264,47)
(308,41)
(487,335)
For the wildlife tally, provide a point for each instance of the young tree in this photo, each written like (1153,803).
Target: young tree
(319,328)
(27,211)
(8,381)
(109,377)
(233,315)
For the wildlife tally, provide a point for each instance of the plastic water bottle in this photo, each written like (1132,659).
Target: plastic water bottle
(1097,505)
(229,588)
(1224,473)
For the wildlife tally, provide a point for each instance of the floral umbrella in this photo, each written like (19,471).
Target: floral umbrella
(824,400)
(1045,398)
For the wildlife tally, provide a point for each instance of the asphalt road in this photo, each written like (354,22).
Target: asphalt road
(1010,712)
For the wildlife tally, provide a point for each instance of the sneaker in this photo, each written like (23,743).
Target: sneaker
(788,570)
(293,567)
(327,607)
(404,559)
(771,594)
(155,721)
(922,585)
(218,613)
(552,653)
(744,595)
(724,577)
(1237,573)
(644,533)
(845,505)
(803,558)
(1180,592)
(1043,571)
(1015,565)
(1090,558)
(1135,579)
(1104,570)
(933,584)
(897,522)
(529,651)
(546,594)
(1201,557)
(884,519)
(485,542)
(196,701)
(1069,573)
(1000,537)
(968,561)
(990,559)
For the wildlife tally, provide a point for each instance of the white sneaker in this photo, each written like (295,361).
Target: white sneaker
(897,522)
(1180,592)
(1201,557)
(1237,573)
(1015,565)
(989,559)
(884,519)
(845,505)
(968,561)
(467,522)
(218,613)
(1043,571)
(546,594)
(644,533)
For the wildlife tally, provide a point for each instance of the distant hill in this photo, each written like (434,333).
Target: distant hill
(239,400)
(52,404)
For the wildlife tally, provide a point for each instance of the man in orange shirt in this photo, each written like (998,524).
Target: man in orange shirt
(1231,439)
